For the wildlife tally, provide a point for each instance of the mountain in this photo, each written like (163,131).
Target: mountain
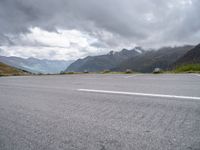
(36,65)
(147,61)
(191,57)
(103,62)
(6,70)
(136,59)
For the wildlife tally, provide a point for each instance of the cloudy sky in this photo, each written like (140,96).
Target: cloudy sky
(70,29)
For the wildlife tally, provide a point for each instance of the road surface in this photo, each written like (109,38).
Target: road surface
(100,112)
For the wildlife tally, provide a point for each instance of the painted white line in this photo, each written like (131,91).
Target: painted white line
(139,94)
(131,76)
(197,75)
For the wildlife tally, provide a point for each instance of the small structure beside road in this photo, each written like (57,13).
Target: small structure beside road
(157,70)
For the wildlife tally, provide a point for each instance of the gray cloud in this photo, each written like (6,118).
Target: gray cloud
(115,23)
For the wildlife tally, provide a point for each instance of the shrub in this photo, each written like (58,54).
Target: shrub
(128,71)
(106,71)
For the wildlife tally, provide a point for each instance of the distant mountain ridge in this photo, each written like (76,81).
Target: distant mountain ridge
(103,62)
(136,59)
(36,65)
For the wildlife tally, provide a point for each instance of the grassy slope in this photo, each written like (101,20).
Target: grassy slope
(6,70)
(190,68)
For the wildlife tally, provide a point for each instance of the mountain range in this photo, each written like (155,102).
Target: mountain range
(36,65)
(136,59)
(162,58)
(103,62)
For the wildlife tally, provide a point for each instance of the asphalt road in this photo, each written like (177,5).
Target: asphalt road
(100,112)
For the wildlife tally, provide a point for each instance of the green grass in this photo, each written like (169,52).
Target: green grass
(188,68)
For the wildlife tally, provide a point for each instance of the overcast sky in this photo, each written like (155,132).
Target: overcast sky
(70,29)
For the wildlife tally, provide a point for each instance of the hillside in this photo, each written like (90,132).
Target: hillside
(6,70)
(191,57)
(103,62)
(146,62)
(190,62)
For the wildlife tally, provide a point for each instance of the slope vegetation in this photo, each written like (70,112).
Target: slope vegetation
(190,62)
(6,70)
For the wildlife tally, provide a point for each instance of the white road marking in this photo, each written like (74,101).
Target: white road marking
(197,75)
(131,76)
(139,94)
